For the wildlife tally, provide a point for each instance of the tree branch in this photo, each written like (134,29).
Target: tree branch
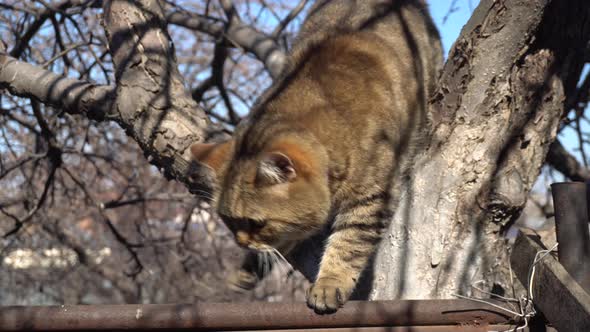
(150,98)
(241,35)
(73,96)
(564,162)
(285,21)
(23,42)
(217,66)
(97,103)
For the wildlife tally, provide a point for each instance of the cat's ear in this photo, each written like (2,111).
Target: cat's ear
(275,168)
(215,156)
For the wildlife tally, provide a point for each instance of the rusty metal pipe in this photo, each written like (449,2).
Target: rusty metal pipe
(437,328)
(247,316)
(571,224)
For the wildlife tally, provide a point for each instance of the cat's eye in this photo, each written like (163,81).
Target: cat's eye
(256,224)
(235,224)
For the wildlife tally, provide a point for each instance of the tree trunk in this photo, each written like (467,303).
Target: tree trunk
(496,111)
(150,97)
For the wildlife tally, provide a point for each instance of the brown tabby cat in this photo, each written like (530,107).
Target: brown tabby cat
(327,145)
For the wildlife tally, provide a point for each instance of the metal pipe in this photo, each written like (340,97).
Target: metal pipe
(248,316)
(437,328)
(571,224)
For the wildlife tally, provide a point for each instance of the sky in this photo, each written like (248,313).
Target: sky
(456,12)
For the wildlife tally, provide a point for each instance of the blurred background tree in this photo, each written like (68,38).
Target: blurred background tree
(84,218)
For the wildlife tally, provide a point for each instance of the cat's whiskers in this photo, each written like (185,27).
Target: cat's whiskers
(204,194)
(278,253)
(266,264)
(276,263)
(284,262)
(267,258)
(262,263)
(274,260)
(259,263)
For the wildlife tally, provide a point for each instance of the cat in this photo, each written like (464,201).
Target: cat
(328,144)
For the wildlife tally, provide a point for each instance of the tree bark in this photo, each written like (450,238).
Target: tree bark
(150,97)
(496,111)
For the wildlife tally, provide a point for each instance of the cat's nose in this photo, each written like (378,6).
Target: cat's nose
(242,238)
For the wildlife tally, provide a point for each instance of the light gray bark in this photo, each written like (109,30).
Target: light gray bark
(148,101)
(71,95)
(150,97)
(496,111)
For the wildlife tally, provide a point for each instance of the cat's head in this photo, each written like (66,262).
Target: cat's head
(274,197)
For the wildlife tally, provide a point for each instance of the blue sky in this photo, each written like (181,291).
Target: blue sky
(457,13)
(450,30)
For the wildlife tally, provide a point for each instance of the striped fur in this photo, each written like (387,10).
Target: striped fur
(344,120)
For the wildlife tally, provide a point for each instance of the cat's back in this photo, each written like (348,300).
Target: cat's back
(404,28)
(363,67)
(375,63)
(359,74)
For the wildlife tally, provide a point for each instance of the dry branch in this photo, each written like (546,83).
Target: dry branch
(564,162)
(263,47)
(71,95)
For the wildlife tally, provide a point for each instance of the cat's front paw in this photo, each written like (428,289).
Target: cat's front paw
(325,296)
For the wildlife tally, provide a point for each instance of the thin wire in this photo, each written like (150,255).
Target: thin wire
(526,302)
(533,267)
(488,302)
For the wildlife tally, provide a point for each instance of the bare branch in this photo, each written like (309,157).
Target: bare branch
(73,96)
(230,10)
(564,162)
(23,42)
(283,24)
(200,90)
(217,65)
(96,102)
(20,222)
(196,22)
(263,47)
(578,100)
